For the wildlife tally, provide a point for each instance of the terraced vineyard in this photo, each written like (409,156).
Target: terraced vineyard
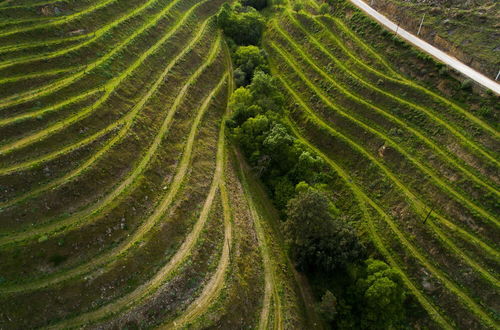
(119,201)
(402,150)
(123,204)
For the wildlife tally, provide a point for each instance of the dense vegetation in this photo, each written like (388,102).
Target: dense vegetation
(318,241)
(283,164)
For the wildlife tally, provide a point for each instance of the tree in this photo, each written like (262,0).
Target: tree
(266,93)
(247,60)
(381,296)
(257,4)
(242,24)
(318,242)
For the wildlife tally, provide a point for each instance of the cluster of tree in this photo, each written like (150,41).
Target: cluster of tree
(319,241)
(257,126)
(369,296)
(243,24)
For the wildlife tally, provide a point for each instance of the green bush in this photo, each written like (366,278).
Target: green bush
(257,4)
(244,25)
(318,241)
(247,60)
(466,85)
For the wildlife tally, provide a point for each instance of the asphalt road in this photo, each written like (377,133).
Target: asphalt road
(428,48)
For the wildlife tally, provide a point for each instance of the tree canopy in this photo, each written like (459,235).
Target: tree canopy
(244,25)
(318,241)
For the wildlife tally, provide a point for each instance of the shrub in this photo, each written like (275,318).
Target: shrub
(249,59)
(317,241)
(242,24)
(466,85)
(381,296)
(257,4)
(324,9)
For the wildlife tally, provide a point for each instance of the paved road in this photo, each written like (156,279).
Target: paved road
(428,48)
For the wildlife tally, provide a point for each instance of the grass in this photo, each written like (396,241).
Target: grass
(329,82)
(124,205)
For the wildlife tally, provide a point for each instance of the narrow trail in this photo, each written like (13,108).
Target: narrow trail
(213,288)
(107,259)
(271,297)
(27,45)
(53,108)
(54,72)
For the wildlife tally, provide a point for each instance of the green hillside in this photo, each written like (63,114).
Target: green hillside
(154,154)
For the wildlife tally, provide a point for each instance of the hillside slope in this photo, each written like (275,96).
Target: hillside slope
(423,169)
(125,201)
(120,205)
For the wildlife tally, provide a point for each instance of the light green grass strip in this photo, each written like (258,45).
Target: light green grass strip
(40,112)
(148,288)
(53,72)
(109,88)
(83,217)
(443,154)
(409,82)
(417,205)
(27,45)
(424,169)
(52,87)
(62,20)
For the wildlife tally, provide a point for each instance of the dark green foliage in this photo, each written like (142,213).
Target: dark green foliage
(247,60)
(256,125)
(318,241)
(257,4)
(244,25)
(365,296)
(324,9)
(381,296)
(466,85)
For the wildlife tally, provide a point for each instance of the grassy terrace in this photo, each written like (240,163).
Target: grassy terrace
(403,149)
(123,204)
(120,203)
